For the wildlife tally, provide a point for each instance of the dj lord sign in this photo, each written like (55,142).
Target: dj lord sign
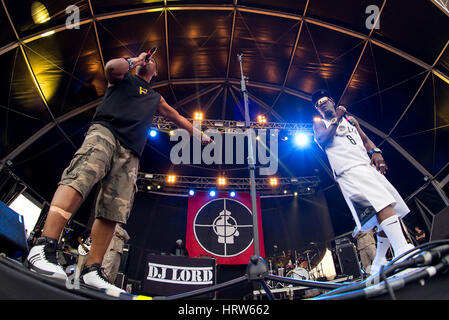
(169,275)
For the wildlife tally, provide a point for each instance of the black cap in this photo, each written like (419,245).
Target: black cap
(317,95)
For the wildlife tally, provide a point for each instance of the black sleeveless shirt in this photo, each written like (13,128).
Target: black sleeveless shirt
(127,110)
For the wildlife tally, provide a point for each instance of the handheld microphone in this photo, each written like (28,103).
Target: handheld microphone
(347,117)
(151,53)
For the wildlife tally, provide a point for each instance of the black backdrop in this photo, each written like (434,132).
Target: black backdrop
(157,221)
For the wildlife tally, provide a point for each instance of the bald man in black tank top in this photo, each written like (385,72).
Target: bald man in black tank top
(110,155)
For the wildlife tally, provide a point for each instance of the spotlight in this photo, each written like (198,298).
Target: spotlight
(46,34)
(221,181)
(191,192)
(148,187)
(158,187)
(273,182)
(285,191)
(39,13)
(153,133)
(261,119)
(301,139)
(232,194)
(212,193)
(171,179)
(295,194)
(198,116)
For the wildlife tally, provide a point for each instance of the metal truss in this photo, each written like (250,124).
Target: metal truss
(443,5)
(163,124)
(154,182)
(236,8)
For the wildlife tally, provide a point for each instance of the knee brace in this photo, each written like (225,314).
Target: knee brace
(65,214)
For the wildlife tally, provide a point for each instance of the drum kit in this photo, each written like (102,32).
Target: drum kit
(297,266)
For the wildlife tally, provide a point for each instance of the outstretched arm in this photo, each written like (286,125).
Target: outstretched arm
(170,113)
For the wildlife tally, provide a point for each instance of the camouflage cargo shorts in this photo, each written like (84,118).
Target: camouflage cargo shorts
(103,159)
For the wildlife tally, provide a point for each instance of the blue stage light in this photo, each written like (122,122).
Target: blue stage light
(153,133)
(191,192)
(232,194)
(301,139)
(212,193)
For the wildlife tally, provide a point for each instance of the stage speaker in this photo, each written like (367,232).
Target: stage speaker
(120,280)
(348,260)
(13,240)
(124,259)
(440,225)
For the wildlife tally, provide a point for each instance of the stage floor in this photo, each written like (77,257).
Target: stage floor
(19,283)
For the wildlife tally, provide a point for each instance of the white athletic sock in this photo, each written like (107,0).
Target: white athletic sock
(393,230)
(383,244)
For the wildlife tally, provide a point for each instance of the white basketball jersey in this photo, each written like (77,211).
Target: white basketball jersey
(346,149)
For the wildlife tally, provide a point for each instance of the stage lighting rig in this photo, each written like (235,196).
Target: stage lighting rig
(198,116)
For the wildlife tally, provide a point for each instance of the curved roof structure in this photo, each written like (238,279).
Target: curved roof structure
(393,75)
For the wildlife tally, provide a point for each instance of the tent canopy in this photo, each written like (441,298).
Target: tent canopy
(394,79)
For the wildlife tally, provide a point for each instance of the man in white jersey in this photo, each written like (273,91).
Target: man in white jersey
(372,199)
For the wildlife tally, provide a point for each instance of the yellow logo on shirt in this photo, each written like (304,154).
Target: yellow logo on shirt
(142,90)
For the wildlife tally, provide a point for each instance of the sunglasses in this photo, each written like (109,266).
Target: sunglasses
(321,101)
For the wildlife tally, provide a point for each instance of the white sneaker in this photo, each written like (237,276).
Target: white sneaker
(94,276)
(375,267)
(406,248)
(42,259)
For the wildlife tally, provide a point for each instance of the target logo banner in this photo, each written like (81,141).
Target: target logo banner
(222,227)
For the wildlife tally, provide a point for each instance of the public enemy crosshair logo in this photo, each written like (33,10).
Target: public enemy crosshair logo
(224,227)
